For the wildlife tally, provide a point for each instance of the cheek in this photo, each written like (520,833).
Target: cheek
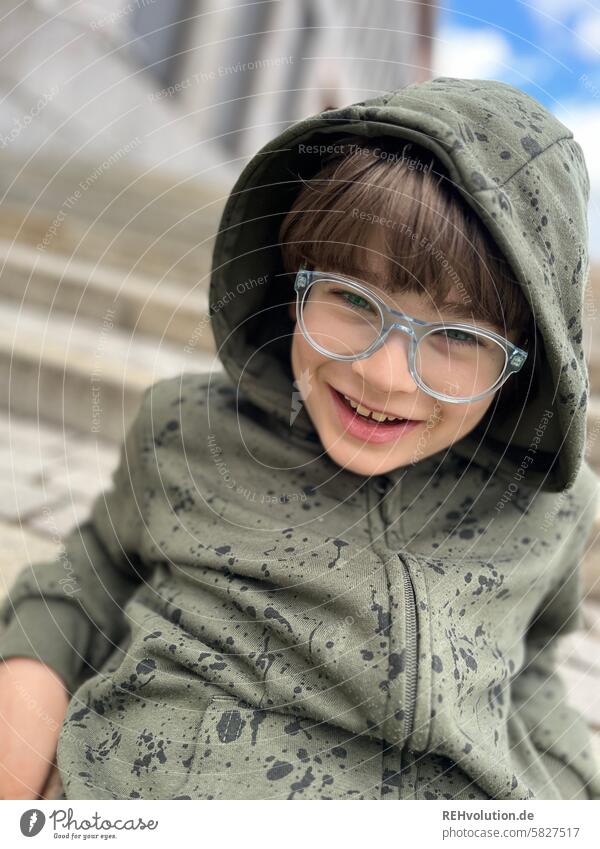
(297,354)
(464,417)
(304,357)
(302,366)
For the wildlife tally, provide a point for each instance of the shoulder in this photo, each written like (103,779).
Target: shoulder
(180,413)
(181,396)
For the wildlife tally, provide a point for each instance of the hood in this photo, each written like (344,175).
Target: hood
(525,176)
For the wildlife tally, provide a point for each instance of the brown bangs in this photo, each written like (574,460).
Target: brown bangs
(389,215)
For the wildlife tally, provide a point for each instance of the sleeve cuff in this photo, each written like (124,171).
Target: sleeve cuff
(51,631)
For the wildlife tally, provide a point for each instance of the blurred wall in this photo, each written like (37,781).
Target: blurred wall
(243,73)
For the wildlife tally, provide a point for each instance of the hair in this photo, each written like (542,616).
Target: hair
(371,210)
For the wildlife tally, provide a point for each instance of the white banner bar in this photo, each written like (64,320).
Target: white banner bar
(312,824)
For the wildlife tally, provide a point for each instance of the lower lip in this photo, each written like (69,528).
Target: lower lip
(367,429)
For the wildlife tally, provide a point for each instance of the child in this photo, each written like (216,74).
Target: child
(284,596)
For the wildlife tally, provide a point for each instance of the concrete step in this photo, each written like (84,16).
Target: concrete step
(149,254)
(591,346)
(591,327)
(590,567)
(593,361)
(89,376)
(57,173)
(121,196)
(79,288)
(592,451)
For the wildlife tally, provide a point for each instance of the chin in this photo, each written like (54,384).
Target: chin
(358,461)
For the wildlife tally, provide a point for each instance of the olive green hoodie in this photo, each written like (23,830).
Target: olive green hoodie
(243,618)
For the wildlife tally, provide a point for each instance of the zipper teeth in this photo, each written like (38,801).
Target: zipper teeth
(411,648)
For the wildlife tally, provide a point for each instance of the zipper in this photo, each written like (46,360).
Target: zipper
(410,607)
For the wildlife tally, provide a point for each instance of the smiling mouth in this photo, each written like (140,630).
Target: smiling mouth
(369,414)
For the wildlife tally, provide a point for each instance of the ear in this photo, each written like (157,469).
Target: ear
(292,310)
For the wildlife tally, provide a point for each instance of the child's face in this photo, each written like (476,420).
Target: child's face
(381,382)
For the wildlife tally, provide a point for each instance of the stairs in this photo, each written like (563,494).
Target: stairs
(101,289)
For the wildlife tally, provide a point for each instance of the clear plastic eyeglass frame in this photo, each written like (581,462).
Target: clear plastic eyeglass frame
(415,328)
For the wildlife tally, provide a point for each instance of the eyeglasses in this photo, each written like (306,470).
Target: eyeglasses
(455,362)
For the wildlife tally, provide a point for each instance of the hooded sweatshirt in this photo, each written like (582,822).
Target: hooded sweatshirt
(240,617)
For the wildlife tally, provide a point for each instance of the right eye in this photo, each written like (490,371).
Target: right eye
(353,299)
(458,336)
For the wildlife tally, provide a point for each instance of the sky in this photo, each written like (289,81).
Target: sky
(548,48)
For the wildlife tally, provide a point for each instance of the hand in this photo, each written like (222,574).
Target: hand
(33,705)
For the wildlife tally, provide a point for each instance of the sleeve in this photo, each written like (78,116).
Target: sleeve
(556,730)
(68,613)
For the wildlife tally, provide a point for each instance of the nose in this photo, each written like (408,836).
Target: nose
(387,368)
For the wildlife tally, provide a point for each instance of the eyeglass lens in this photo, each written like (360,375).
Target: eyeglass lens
(451,361)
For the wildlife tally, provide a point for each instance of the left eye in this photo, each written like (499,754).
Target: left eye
(353,299)
(458,336)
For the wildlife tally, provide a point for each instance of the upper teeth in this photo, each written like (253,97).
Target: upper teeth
(364,411)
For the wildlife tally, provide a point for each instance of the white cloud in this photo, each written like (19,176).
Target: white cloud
(475,54)
(587,35)
(559,9)
(572,25)
(584,122)
(485,54)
